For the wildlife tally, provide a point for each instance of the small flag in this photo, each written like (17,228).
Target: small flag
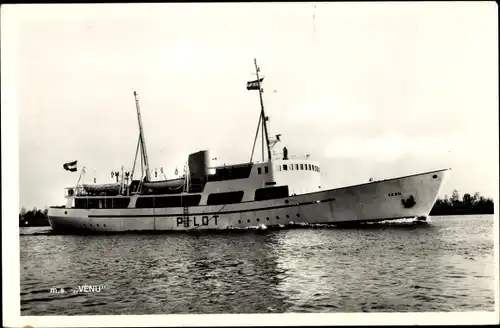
(254,85)
(70,166)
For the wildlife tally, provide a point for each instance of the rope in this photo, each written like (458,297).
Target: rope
(255,139)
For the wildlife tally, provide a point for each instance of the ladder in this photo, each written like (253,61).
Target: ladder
(185,217)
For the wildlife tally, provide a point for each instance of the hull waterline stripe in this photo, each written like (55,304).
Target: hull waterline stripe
(211,213)
(339,224)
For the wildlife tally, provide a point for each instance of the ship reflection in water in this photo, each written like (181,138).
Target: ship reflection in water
(444,265)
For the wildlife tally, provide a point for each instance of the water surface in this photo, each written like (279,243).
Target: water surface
(444,265)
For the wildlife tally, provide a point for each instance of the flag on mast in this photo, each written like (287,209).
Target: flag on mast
(254,85)
(70,166)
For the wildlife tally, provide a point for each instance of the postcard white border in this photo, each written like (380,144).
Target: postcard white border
(10,242)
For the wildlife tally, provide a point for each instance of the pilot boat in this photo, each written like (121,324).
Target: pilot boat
(275,192)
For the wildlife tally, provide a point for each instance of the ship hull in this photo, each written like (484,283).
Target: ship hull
(405,197)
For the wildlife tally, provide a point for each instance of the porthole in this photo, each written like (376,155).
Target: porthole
(258,220)
(104,225)
(286,201)
(248,220)
(287,216)
(97,224)
(277,218)
(65,212)
(434,176)
(239,221)
(267,219)
(298,215)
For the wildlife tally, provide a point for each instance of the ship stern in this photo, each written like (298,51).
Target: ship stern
(67,220)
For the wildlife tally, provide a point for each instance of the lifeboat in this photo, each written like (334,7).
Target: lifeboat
(173,183)
(108,187)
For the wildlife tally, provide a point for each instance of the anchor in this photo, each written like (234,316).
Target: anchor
(408,202)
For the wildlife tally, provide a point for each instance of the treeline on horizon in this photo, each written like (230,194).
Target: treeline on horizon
(465,205)
(33,218)
(455,205)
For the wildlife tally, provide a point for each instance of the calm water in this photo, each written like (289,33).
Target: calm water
(444,265)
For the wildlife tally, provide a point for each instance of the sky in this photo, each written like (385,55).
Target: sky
(368,89)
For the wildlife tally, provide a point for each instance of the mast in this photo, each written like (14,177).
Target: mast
(263,114)
(141,138)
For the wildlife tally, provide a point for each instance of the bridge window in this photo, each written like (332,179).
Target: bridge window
(225,198)
(121,202)
(81,203)
(310,167)
(297,167)
(231,173)
(93,203)
(302,166)
(291,167)
(259,170)
(285,167)
(144,202)
(278,167)
(266,169)
(271,193)
(177,201)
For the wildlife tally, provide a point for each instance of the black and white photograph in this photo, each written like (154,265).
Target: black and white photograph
(188,164)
